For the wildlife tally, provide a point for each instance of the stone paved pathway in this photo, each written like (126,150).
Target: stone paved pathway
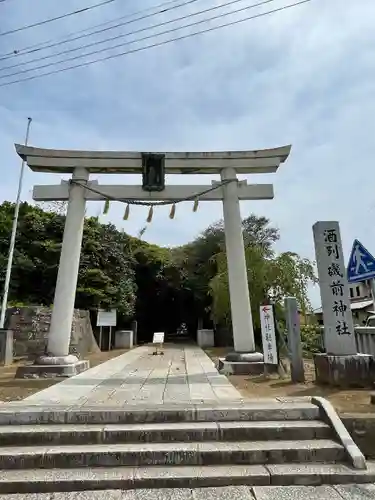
(185,374)
(346,492)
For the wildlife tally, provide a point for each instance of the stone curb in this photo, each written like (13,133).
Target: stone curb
(356,456)
(14,414)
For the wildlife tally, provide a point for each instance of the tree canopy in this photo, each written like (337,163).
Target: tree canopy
(160,287)
(106,274)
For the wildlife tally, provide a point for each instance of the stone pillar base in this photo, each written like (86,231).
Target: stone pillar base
(245,357)
(49,359)
(244,363)
(205,338)
(356,370)
(53,367)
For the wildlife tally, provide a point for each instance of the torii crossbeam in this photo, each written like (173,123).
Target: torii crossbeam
(81,163)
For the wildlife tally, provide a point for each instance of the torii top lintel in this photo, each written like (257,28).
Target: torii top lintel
(114,162)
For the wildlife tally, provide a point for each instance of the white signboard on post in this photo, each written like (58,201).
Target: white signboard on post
(267,323)
(158,338)
(106,318)
(339,338)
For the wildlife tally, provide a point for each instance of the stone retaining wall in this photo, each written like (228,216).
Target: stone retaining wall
(30,327)
(362,429)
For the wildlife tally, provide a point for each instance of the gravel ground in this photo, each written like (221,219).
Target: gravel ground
(345,401)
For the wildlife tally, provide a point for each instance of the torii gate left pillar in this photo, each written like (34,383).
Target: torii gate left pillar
(67,276)
(57,358)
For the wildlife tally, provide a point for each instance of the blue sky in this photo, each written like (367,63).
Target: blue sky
(305,76)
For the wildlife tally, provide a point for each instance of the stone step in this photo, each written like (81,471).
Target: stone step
(17,414)
(65,434)
(84,479)
(274,430)
(193,453)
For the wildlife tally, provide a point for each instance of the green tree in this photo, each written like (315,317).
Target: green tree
(270,277)
(106,274)
(204,258)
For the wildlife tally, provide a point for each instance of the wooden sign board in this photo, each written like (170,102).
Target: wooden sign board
(106,318)
(267,323)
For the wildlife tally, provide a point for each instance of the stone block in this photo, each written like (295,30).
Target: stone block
(315,474)
(244,367)
(264,452)
(356,491)
(344,371)
(296,493)
(52,371)
(274,430)
(18,435)
(223,493)
(166,476)
(158,433)
(154,494)
(91,495)
(31,415)
(206,338)
(201,476)
(6,347)
(257,411)
(124,339)
(67,480)
(131,415)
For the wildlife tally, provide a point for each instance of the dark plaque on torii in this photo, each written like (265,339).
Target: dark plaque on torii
(153,172)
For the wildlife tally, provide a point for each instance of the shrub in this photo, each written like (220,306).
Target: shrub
(311,337)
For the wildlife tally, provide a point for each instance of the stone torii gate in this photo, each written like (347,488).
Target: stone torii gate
(81,163)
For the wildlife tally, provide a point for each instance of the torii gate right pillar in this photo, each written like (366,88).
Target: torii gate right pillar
(242,324)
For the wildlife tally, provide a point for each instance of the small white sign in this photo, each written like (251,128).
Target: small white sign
(158,338)
(267,324)
(106,318)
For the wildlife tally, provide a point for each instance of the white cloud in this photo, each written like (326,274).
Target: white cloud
(303,76)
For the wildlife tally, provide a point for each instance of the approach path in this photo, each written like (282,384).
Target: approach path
(184,374)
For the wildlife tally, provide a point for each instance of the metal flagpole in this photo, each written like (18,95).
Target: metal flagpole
(13,236)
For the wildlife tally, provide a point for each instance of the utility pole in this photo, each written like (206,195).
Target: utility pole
(13,235)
